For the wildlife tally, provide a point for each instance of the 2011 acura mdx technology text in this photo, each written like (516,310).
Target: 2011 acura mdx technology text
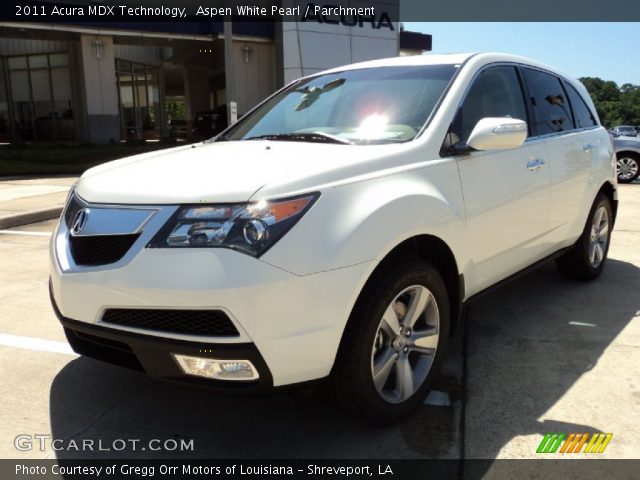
(338,229)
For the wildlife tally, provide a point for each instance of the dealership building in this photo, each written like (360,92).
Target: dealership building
(114,81)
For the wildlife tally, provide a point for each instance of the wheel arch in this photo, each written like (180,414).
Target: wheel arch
(436,251)
(610,191)
(631,153)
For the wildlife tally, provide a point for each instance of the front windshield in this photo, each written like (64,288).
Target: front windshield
(367,106)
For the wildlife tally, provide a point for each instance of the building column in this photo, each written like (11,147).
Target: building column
(100,89)
(196,89)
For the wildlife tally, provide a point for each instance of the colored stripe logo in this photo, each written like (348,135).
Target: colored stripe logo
(574,442)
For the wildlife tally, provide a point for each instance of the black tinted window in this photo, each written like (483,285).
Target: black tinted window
(581,113)
(496,92)
(550,105)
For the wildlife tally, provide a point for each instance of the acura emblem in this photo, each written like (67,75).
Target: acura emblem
(79,221)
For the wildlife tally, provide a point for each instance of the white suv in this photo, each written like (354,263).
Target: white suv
(338,229)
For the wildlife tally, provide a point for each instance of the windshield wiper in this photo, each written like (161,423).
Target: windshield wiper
(217,138)
(317,137)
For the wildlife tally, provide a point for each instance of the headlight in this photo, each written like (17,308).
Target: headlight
(249,227)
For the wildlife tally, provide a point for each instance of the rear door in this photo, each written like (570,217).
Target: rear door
(506,192)
(568,134)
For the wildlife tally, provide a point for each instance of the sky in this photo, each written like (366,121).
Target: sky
(605,50)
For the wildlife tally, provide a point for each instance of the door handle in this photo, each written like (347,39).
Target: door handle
(587,147)
(535,165)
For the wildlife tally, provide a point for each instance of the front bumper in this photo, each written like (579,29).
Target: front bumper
(290,324)
(152,355)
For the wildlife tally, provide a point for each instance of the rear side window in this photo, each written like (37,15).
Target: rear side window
(496,92)
(550,106)
(581,113)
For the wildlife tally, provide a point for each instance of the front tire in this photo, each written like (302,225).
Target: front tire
(393,343)
(586,259)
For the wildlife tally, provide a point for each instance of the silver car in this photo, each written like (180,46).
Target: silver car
(624,130)
(628,158)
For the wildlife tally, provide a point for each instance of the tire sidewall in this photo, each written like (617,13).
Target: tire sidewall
(601,200)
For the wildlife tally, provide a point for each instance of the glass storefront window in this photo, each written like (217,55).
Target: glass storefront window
(153,94)
(42,106)
(5,122)
(17,62)
(58,60)
(22,111)
(20,86)
(62,104)
(40,92)
(60,84)
(127,104)
(139,100)
(38,61)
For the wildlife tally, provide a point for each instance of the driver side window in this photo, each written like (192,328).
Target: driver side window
(496,92)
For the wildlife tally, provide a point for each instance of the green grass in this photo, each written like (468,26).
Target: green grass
(60,159)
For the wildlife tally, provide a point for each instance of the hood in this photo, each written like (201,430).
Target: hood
(223,172)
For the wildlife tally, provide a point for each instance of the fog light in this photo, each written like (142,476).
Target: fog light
(217,369)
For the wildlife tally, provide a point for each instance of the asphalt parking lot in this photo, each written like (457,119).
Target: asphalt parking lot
(540,355)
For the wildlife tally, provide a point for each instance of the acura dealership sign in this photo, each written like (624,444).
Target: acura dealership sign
(329,33)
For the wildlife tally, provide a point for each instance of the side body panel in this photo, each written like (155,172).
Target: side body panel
(363,221)
(581,162)
(507,207)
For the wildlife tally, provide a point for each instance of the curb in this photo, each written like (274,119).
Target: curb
(31,216)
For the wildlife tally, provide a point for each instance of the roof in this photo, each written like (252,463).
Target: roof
(412,60)
(447,59)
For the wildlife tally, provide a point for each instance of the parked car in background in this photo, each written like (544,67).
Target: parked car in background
(337,231)
(209,123)
(627,158)
(178,128)
(624,131)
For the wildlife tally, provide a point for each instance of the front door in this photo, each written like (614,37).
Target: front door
(506,192)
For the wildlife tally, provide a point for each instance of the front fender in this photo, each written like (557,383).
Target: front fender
(363,221)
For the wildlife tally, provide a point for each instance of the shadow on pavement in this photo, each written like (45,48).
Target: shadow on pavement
(529,343)
(92,400)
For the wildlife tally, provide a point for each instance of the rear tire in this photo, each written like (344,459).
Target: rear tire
(586,259)
(627,167)
(393,343)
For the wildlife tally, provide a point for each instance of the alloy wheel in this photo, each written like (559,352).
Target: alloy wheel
(405,344)
(626,168)
(599,237)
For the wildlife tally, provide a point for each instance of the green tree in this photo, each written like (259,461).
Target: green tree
(615,105)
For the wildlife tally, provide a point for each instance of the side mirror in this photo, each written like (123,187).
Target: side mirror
(498,134)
